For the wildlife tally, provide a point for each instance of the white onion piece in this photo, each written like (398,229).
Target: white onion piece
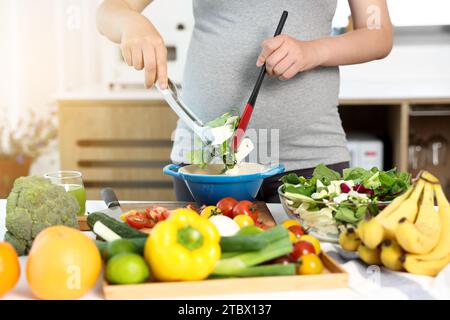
(226,226)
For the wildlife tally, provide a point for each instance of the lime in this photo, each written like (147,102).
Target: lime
(126,268)
(249,230)
(119,246)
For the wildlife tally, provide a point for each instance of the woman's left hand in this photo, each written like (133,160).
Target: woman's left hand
(285,56)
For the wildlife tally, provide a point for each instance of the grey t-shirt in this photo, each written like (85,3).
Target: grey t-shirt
(220,74)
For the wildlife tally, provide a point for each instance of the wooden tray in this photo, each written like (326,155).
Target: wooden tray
(265,215)
(334,276)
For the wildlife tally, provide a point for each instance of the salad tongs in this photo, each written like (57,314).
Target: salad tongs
(210,136)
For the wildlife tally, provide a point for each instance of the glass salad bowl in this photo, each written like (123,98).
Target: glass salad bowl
(317,216)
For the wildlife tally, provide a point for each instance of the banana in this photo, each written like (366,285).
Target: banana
(390,255)
(443,247)
(349,240)
(408,209)
(429,177)
(370,231)
(369,256)
(422,236)
(427,268)
(394,205)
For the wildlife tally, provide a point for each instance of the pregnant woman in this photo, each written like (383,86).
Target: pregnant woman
(297,113)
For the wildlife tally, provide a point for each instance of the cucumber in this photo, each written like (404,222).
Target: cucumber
(254,242)
(121,229)
(262,271)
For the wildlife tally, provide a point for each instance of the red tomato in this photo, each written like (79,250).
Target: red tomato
(261,225)
(226,205)
(301,248)
(157,213)
(247,208)
(297,231)
(139,221)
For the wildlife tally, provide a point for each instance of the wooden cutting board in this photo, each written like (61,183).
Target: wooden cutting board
(265,215)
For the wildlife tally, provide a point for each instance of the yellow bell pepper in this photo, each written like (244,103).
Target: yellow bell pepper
(183,247)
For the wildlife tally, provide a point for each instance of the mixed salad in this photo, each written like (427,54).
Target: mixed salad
(345,198)
(204,154)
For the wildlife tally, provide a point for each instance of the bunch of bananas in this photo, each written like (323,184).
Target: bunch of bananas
(408,234)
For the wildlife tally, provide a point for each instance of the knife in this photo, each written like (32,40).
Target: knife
(109,197)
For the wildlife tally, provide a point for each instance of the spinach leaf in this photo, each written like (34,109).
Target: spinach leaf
(346,215)
(322,172)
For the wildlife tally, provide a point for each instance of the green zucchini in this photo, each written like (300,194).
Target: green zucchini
(262,271)
(120,228)
(254,242)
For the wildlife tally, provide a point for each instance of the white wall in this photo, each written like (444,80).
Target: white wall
(405,12)
(47,46)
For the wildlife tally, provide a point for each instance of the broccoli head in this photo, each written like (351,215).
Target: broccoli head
(33,205)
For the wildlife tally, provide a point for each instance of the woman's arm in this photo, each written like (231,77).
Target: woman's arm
(141,44)
(371,40)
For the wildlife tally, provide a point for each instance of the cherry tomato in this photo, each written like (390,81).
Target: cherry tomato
(282,260)
(292,237)
(243,220)
(139,220)
(313,241)
(193,207)
(247,208)
(290,223)
(226,205)
(310,264)
(297,231)
(210,211)
(301,248)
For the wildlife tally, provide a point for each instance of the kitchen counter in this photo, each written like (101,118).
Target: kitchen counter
(364,283)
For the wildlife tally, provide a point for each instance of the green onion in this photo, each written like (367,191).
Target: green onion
(263,271)
(248,259)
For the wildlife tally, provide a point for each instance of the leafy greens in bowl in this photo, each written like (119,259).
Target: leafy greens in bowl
(328,199)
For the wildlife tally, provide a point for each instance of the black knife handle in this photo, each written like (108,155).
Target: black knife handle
(109,197)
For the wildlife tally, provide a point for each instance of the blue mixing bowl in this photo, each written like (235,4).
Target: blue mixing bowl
(209,189)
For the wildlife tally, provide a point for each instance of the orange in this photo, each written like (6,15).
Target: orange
(63,263)
(9,267)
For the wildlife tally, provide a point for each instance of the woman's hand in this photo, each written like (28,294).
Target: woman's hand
(143,48)
(285,56)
